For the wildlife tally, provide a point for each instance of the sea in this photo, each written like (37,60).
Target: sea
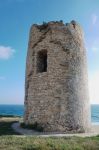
(18,110)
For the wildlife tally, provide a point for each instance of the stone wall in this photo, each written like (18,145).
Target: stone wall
(57,97)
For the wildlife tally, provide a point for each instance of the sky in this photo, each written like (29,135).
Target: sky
(16,18)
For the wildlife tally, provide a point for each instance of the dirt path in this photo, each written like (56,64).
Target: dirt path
(17,128)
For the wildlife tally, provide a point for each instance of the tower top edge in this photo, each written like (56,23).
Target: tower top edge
(57,23)
(73,27)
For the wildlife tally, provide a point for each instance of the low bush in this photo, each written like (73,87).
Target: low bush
(35,126)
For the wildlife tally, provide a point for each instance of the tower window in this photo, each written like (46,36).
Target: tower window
(42,61)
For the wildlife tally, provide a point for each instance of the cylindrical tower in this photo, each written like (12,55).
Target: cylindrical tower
(56,88)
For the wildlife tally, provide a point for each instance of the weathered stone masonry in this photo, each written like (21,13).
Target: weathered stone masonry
(56,88)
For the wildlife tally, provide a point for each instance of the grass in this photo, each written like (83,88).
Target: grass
(10,140)
(5,125)
(11,116)
(37,143)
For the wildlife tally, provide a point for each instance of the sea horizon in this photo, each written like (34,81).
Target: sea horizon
(18,110)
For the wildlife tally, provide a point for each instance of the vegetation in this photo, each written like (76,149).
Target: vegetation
(37,143)
(5,125)
(10,140)
(36,126)
(61,21)
(43,26)
(1,116)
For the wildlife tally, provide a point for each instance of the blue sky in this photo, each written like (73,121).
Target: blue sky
(16,17)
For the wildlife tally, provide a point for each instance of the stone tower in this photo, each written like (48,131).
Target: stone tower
(56,88)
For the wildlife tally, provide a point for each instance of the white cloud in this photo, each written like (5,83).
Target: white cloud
(94,87)
(6,52)
(94,49)
(95,45)
(94,19)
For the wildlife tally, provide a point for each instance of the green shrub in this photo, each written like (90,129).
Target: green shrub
(35,126)
(61,21)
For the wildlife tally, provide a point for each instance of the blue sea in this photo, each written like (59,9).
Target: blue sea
(18,110)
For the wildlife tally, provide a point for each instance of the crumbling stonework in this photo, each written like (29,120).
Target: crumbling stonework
(56,89)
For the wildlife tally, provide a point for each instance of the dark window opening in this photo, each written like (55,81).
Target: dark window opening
(42,61)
